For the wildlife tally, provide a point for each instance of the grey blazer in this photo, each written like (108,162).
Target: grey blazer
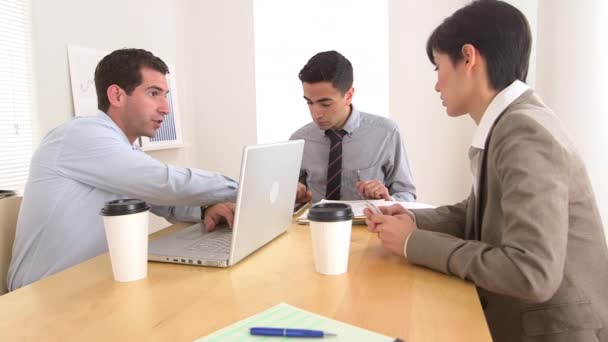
(533,241)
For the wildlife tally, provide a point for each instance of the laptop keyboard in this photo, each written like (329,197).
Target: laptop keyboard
(215,242)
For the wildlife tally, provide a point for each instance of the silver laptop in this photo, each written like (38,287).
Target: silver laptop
(264,210)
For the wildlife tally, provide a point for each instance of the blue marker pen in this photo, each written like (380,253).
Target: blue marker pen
(284,332)
(302,333)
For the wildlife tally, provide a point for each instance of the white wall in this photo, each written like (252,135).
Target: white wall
(356,28)
(222,69)
(572,79)
(436,144)
(530,9)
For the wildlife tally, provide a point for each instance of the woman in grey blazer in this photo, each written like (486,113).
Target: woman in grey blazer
(529,235)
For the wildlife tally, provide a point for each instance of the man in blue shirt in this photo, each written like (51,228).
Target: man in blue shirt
(88,161)
(348,155)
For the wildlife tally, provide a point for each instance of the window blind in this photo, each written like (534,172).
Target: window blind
(15,94)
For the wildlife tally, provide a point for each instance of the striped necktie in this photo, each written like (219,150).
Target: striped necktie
(334,166)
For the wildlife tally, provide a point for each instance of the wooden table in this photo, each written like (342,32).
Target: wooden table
(380,292)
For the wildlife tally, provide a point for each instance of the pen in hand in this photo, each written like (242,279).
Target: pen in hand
(373,208)
(284,332)
(357,183)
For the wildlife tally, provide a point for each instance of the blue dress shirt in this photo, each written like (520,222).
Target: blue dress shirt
(78,167)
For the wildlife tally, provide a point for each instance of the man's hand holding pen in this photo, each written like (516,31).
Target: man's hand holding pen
(303,195)
(372,189)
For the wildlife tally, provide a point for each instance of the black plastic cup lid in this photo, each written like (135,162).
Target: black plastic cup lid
(330,212)
(124,207)
(7,193)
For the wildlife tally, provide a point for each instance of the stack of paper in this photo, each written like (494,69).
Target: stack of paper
(358,207)
(286,316)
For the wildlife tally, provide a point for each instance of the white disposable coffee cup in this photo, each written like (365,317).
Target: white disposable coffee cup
(330,227)
(126,225)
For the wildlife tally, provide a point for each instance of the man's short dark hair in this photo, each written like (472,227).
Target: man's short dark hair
(123,68)
(499,31)
(329,66)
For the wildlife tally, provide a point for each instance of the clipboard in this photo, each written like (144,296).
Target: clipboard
(359,205)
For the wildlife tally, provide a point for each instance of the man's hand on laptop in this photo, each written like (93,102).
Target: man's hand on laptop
(218,213)
(302,194)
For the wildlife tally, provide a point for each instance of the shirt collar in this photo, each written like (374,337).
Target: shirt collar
(499,103)
(109,120)
(352,123)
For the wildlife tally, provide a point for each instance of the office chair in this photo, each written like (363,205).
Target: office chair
(9,210)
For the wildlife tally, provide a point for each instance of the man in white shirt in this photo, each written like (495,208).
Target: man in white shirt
(529,235)
(88,161)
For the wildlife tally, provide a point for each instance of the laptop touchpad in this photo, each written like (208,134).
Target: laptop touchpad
(191,233)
